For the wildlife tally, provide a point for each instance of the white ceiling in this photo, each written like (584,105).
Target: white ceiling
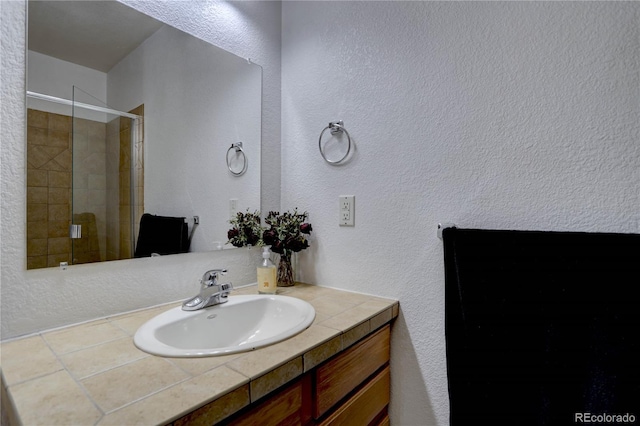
(95,34)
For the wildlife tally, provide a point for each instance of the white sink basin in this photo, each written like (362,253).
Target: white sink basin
(242,324)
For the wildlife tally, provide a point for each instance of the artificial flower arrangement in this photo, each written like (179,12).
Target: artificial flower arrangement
(246,230)
(286,233)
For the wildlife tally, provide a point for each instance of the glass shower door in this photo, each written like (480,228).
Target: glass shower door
(103,182)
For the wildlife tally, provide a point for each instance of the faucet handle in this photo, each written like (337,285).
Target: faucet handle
(211,277)
(223,294)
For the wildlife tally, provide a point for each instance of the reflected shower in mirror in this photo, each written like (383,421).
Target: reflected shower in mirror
(155,113)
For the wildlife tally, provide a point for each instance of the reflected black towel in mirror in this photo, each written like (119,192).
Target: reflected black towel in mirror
(162,235)
(541,327)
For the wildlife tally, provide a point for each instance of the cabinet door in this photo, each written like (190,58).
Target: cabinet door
(366,405)
(336,378)
(290,406)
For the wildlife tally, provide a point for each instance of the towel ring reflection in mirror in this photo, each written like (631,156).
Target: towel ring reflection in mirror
(335,127)
(237,147)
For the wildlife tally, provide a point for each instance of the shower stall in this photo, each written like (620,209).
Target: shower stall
(85,180)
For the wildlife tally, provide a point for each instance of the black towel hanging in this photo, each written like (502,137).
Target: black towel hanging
(541,327)
(162,235)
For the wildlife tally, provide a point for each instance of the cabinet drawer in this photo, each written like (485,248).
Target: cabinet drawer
(383,421)
(290,406)
(366,405)
(342,374)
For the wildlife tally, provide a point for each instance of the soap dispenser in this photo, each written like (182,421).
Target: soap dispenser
(267,277)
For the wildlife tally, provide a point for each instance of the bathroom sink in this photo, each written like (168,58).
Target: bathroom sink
(242,324)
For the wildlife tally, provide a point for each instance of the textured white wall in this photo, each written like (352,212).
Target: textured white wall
(54,77)
(40,299)
(198,100)
(494,115)
(515,115)
(249,29)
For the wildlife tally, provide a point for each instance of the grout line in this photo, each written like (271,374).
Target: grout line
(77,382)
(86,347)
(129,335)
(109,369)
(170,361)
(8,386)
(147,395)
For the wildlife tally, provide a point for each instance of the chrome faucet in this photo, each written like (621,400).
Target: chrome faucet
(211,292)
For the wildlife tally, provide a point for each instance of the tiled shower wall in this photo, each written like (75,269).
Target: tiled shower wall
(119,244)
(89,189)
(138,165)
(101,183)
(49,160)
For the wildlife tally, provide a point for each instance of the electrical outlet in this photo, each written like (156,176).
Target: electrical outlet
(233,208)
(347,210)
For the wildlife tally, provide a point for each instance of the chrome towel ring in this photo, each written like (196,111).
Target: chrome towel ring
(335,127)
(239,151)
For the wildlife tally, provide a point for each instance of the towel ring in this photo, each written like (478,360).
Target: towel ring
(335,127)
(245,161)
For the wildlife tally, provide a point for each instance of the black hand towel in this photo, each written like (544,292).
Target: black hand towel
(542,328)
(162,235)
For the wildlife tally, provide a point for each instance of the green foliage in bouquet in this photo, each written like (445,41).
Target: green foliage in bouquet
(286,232)
(246,230)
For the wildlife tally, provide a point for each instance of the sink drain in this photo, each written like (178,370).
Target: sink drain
(212,316)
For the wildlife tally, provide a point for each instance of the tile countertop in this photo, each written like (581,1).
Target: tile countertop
(92,374)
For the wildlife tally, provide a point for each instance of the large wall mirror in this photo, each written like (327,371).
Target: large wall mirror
(132,126)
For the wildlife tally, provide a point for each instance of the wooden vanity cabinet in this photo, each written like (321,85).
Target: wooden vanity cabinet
(367,406)
(340,375)
(351,388)
(289,406)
